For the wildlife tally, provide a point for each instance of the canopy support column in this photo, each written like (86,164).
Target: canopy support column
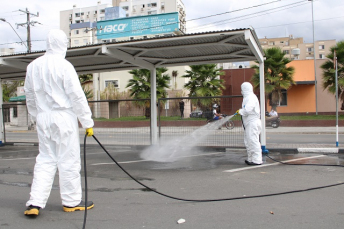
(153,107)
(1,116)
(262,106)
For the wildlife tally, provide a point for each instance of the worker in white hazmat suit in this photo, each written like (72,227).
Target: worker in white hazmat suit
(56,101)
(250,113)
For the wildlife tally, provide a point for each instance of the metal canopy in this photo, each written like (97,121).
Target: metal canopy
(237,45)
(212,47)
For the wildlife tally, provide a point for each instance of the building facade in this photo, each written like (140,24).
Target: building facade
(296,49)
(91,25)
(80,24)
(305,97)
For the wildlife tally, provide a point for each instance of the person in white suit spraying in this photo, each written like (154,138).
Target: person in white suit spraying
(250,113)
(56,101)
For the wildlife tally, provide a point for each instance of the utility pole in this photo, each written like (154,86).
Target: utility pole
(27,24)
(315,68)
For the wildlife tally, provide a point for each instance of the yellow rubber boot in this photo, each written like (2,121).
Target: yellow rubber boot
(32,211)
(79,207)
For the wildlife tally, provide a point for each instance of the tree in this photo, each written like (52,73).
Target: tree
(204,81)
(9,89)
(329,79)
(85,77)
(140,87)
(277,75)
(174,75)
(88,92)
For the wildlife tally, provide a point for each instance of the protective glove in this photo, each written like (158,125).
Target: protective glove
(237,112)
(89,132)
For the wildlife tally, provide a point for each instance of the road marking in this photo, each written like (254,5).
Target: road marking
(13,159)
(128,162)
(265,165)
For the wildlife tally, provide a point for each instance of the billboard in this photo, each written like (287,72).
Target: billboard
(138,26)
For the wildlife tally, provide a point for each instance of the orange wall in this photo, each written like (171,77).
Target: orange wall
(300,99)
(304,70)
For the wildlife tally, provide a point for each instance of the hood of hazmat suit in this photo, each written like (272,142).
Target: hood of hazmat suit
(52,83)
(250,110)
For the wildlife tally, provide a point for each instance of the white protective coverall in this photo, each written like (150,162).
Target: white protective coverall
(250,113)
(56,101)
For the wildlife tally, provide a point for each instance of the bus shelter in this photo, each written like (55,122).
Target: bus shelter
(226,46)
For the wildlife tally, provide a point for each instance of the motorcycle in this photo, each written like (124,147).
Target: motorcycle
(272,121)
(229,124)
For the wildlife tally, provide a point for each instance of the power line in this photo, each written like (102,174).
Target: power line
(247,15)
(204,17)
(233,11)
(297,23)
(261,13)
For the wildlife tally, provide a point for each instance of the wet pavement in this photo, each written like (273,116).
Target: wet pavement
(203,174)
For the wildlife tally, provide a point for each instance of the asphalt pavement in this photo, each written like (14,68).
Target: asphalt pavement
(272,195)
(272,147)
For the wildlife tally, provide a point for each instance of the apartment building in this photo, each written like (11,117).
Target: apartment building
(296,49)
(96,24)
(6,51)
(80,24)
(150,7)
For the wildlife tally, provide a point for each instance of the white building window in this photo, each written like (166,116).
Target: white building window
(322,56)
(321,46)
(77,14)
(85,41)
(115,83)
(309,49)
(76,32)
(152,12)
(76,42)
(126,8)
(102,11)
(152,4)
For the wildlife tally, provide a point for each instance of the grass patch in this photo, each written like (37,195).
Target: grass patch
(311,117)
(143,118)
(237,117)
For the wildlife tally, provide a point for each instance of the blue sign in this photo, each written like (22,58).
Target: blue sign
(138,26)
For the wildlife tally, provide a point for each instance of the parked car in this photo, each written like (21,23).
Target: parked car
(196,114)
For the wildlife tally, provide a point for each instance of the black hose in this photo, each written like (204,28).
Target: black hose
(213,200)
(85,173)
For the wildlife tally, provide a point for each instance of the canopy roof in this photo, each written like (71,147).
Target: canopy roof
(202,48)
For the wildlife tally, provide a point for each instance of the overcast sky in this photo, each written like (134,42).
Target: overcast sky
(269,18)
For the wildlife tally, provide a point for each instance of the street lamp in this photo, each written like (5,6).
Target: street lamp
(315,68)
(3,19)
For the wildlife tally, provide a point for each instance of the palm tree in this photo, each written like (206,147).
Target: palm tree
(88,92)
(9,89)
(85,77)
(277,75)
(204,81)
(174,75)
(328,67)
(140,87)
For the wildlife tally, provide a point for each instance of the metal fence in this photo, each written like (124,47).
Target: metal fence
(127,122)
